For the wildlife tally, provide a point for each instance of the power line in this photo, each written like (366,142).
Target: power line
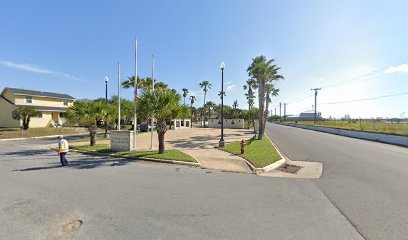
(367,99)
(301,99)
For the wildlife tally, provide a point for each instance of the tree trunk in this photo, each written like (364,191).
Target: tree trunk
(92,135)
(26,123)
(266,110)
(261,98)
(209,114)
(161,130)
(202,113)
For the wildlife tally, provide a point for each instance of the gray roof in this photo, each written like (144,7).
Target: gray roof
(45,108)
(40,93)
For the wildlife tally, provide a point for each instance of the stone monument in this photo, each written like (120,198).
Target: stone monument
(121,141)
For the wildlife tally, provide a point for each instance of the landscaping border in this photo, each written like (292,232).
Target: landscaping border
(140,158)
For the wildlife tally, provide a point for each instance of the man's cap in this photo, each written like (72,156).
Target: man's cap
(60,137)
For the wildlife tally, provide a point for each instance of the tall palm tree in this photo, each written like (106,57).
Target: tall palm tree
(205,85)
(270,91)
(192,99)
(185,94)
(250,96)
(159,103)
(264,71)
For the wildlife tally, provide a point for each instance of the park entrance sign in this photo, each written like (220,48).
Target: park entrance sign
(121,141)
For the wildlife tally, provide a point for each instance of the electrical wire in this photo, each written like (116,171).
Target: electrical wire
(366,99)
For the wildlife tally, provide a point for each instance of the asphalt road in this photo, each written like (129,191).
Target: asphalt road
(141,200)
(366,181)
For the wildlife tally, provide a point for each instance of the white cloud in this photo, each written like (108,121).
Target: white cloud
(399,68)
(230,87)
(229,82)
(36,69)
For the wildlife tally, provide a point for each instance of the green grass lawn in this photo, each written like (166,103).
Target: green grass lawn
(260,153)
(168,155)
(8,133)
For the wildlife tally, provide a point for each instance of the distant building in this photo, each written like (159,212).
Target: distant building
(51,105)
(305,116)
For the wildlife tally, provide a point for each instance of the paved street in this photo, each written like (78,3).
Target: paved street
(366,181)
(141,200)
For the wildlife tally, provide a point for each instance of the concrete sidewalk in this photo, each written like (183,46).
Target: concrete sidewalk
(199,143)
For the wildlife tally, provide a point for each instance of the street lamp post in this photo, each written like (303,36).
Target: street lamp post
(221,142)
(106,99)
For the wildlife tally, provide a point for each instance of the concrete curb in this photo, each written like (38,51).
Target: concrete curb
(271,166)
(49,136)
(141,158)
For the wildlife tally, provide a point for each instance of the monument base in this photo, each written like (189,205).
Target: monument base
(121,141)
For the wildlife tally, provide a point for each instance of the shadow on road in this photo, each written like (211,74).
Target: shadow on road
(82,163)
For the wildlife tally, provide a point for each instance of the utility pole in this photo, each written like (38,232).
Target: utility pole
(152,120)
(284,112)
(280,112)
(136,95)
(315,105)
(118,95)
(275,111)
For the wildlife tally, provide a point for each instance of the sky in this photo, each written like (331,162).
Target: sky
(353,50)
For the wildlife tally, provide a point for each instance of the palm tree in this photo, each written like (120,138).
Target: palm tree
(25,114)
(185,94)
(143,83)
(205,85)
(92,112)
(270,91)
(159,103)
(250,96)
(235,104)
(264,71)
(192,99)
(210,106)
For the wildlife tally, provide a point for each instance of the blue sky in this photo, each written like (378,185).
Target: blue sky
(352,49)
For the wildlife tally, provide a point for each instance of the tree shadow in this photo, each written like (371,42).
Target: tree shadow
(27,152)
(81,163)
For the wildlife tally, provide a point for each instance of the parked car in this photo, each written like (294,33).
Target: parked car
(144,127)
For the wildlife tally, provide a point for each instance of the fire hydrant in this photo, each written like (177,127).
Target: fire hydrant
(242,147)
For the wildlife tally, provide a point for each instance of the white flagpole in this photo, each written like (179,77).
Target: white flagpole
(135,96)
(118,95)
(152,120)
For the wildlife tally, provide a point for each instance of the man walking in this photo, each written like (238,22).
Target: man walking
(63,149)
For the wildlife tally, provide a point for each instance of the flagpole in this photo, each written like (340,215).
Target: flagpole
(152,120)
(118,95)
(136,96)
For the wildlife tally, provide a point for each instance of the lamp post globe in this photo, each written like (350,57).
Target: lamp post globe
(222,142)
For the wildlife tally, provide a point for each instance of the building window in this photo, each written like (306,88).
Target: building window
(65,102)
(62,115)
(28,99)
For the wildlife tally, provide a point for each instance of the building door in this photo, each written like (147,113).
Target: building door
(55,117)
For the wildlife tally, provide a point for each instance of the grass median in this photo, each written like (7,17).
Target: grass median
(260,153)
(173,154)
